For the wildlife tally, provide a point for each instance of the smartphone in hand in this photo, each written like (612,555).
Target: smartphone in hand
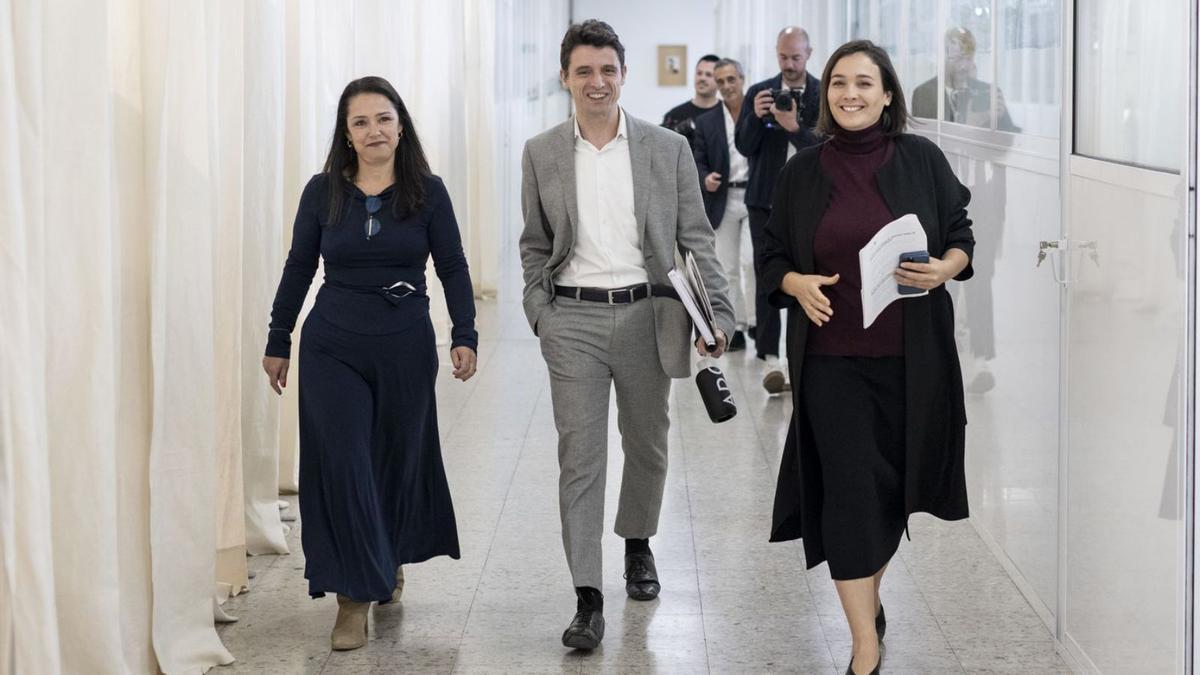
(917,257)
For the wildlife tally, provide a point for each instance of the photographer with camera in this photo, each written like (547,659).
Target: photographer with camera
(778,122)
(681,118)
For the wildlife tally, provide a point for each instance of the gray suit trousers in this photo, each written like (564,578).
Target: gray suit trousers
(591,348)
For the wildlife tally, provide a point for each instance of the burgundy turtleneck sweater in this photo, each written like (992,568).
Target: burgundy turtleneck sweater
(856,211)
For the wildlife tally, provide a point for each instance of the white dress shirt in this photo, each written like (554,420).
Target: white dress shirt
(739,168)
(608,247)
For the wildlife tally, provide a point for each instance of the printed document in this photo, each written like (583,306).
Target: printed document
(878,260)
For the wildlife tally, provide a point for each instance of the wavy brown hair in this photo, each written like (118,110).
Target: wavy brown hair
(411,167)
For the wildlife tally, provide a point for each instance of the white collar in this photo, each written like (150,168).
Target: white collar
(622,130)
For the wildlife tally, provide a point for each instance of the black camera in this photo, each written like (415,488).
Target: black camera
(687,127)
(784,97)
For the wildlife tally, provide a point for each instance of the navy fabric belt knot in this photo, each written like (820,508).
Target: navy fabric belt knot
(393,294)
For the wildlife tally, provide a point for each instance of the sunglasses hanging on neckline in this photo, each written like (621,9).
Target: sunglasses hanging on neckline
(372,226)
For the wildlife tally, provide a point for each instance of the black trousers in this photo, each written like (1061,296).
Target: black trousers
(766,318)
(855,408)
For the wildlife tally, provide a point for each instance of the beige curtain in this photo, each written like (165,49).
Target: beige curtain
(440,58)
(151,156)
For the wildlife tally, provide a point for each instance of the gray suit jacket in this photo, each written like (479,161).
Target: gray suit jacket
(669,211)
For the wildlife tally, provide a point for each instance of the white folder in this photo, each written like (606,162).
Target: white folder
(694,296)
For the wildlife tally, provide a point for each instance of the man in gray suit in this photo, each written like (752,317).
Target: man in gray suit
(608,200)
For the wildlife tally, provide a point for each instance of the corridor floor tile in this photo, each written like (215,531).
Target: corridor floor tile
(732,602)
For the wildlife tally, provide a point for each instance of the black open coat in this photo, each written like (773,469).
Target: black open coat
(916,179)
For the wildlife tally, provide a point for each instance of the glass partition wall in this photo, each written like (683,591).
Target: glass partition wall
(1073,333)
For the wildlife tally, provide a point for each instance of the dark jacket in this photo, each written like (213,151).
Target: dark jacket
(972,105)
(766,149)
(710,147)
(917,179)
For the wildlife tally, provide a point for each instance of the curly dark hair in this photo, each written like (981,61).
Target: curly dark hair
(895,116)
(594,33)
(341,163)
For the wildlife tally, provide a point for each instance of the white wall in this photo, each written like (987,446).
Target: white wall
(643,26)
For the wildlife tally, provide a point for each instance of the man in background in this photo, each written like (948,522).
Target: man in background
(724,175)
(776,122)
(682,117)
(968,100)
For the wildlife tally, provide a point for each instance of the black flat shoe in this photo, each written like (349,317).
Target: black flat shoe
(880,623)
(850,667)
(587,628)
(641,577)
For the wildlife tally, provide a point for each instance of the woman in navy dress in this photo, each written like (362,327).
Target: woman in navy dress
(373,492)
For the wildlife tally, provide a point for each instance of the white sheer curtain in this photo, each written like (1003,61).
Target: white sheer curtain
(439,57)
(151,156)
(747,29)
(529,100)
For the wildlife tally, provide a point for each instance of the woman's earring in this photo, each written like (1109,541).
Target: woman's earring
(349,144)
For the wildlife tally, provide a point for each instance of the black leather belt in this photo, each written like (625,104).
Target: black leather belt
(617,296)
(738,184)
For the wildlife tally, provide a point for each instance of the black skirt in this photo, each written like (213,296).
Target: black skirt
(855,408)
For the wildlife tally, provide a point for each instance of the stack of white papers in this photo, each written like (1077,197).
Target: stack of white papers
(694,296)
(878,260)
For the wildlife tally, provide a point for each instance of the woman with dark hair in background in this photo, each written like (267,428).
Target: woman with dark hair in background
(373,491)
(878,417)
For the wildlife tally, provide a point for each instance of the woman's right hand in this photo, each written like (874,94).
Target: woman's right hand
(806,289)
(277,369)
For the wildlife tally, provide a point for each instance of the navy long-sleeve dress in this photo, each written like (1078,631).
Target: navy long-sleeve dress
(373,491)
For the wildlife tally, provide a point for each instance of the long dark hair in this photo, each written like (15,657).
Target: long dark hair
(410,167)
(895,115)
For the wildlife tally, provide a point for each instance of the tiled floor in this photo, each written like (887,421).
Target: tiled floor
(731,602)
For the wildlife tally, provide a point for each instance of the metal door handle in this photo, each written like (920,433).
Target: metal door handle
(1057,248)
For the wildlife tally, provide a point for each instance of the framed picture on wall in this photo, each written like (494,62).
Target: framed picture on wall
(672,65)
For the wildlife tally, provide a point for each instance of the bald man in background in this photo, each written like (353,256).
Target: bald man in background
(767,136)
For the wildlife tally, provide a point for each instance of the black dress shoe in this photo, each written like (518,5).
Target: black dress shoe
(641,577)
(587,628)
(738,342)
(850,667)
(880,623)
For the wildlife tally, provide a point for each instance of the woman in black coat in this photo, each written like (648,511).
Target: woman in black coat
(878,418)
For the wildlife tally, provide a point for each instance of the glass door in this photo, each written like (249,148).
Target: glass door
(1124,263)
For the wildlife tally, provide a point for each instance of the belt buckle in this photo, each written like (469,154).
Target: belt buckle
(612,301)
(400,289)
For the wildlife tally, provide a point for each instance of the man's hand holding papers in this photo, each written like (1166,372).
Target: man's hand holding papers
(689,285)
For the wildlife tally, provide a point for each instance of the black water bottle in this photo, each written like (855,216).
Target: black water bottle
(716,394)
